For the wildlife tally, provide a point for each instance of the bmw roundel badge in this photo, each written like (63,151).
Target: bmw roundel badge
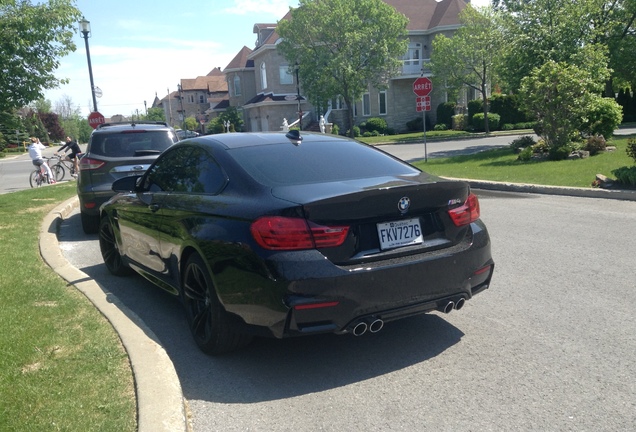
(404,204)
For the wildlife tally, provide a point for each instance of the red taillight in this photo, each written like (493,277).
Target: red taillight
(90,164)
(282,233)
(467,212)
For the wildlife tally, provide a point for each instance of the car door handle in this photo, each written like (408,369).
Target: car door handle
(153,207)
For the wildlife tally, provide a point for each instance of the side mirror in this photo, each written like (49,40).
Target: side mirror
(126,184)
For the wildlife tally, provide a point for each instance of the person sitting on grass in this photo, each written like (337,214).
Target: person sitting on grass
(35,151)
(74,156)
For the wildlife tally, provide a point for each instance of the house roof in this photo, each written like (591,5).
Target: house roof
(213,81)
(240,60)
(429,14)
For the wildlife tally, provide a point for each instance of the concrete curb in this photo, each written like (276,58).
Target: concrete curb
(619,194)
(160,402)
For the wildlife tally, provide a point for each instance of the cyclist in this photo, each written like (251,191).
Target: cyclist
(75,151)
(35,151)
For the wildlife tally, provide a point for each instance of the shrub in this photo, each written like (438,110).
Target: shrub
(595,144)
(631,148)
(525,125)
(493,121)
(440,127)
(475,106)
(508,107)
(507,127)
(541,147)
(390,131)
(376,124)
(415,124)
(525,141)
(603,118)
(526,154)
(445,113)
(626,175)
(356,131)
(460,121)
(335,129)
(559,153)
(215,126)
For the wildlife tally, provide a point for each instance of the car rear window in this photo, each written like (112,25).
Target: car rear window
(130,144)
(317,162)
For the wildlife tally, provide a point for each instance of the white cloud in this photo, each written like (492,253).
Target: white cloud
(277,8)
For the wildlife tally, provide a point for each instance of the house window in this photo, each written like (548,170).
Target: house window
(237,85)
(191,98)
(366,104)
(285,75)
(382,102)
(201,99)
(263,76)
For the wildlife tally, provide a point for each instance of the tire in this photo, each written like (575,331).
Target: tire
(35,180)
(110,251)
(210,324)
(90,223)
(58,172)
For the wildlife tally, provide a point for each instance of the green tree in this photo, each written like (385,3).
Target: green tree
(156,114)
(468,57)
(343,46)
(191,123)
(560,95)
(232,115)
(538,31)
(33,37)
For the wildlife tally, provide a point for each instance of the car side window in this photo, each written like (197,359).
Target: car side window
(186,170)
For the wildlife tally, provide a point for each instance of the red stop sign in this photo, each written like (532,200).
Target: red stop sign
(422,86)
(95,119)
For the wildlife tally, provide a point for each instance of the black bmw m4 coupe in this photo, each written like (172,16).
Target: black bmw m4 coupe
(293,234)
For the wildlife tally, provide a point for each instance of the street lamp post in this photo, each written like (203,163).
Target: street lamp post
(85,29)
(300,111)
(183,117)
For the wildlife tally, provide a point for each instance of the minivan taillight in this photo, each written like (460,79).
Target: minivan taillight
(283,233)
(90,164)
(467,212)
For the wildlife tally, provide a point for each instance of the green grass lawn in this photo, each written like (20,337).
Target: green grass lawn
(502,165)
(62,365)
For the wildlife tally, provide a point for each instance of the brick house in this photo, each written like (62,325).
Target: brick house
(195,97)
(263,84)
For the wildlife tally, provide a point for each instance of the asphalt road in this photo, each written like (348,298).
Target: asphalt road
(549,347)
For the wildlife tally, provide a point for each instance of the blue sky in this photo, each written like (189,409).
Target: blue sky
(142,48)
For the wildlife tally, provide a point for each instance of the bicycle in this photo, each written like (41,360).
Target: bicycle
(39,177)
(60,167)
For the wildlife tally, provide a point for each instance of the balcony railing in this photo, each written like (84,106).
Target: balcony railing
(416,66)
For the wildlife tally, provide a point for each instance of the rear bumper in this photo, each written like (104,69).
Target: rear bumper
(343,297)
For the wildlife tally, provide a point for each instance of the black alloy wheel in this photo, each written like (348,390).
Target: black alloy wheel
(210,324)
(110,252)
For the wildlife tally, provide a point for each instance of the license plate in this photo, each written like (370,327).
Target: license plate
(400,233)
